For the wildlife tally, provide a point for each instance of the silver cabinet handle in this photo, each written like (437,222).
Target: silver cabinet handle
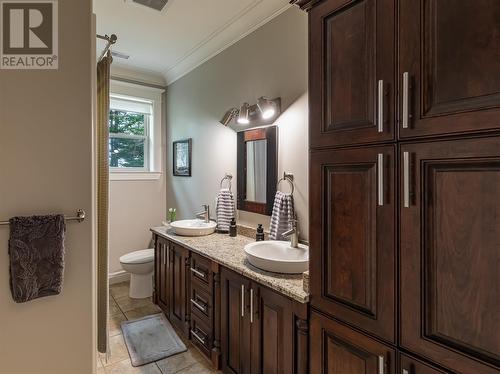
(198,273)
(199,306)
(406,100)
(380,118)
(202,340)
(251,305)
(381,365)
(243,300)
(406,179)
(380,175)
(405,371)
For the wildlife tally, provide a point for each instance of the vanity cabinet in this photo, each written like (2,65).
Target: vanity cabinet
(171,283)
(161,294)
(337,349)
(352,90)
(353,234)
(242,326)
(261,331)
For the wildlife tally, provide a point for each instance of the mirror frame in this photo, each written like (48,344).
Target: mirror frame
(270,134)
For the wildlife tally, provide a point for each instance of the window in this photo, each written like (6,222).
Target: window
(129,133)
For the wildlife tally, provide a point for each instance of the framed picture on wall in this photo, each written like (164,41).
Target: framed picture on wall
(182,157)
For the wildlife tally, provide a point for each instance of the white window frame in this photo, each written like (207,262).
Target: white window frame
(153,153)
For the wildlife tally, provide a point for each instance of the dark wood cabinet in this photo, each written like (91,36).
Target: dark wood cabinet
(410,365)
(178,286)
(352,225)
(235,324)
(352,56)
(337,349)
(262,332)
(450,252)
(448,66)
(162,281)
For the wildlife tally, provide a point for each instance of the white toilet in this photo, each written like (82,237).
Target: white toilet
(140,265)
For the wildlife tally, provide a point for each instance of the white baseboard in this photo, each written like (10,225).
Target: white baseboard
(118,277)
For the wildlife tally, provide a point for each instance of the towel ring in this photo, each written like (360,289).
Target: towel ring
(227,178)
(289,178)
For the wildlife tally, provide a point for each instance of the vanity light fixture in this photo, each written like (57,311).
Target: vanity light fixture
(244,114)
(263,113)
(266,107)
(228,116)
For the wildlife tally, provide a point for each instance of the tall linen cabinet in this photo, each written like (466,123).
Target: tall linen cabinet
(404,186)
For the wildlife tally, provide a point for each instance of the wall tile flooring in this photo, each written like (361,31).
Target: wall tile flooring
(122,308)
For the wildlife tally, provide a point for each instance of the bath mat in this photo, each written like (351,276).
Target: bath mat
(150,339)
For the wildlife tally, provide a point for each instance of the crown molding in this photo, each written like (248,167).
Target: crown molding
(306,5)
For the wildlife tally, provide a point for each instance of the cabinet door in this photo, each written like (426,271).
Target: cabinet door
(235,323)
(162,282)
(178,287)
(352,68)
(336,349)
(410,365)
(272,332)
(353,237)
(450,253)
(449,52)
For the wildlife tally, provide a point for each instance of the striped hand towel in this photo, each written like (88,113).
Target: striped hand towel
(282,217)
(224,209)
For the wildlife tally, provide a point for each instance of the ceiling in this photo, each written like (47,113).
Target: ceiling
(183,35)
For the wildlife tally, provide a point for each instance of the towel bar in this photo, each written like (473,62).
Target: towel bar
(80,217)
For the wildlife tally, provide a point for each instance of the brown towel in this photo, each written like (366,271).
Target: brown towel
(36,251)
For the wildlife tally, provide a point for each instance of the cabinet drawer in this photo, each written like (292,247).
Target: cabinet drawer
(201,303)
(200,270)
(201,335)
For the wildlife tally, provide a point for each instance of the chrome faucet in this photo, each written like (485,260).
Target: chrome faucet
(205,215)
(293,233)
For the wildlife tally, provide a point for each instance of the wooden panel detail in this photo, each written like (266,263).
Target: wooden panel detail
(336,349)
(450,254)
(455,78)
(352,275)
(462,255)
(350,69)
(351,254)
(450,51)
(415,366)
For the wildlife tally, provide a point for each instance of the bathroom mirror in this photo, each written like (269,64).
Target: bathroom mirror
(257,169)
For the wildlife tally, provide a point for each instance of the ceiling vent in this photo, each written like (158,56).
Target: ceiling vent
(154,4)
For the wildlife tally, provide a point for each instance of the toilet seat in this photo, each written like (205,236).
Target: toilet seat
(142,256)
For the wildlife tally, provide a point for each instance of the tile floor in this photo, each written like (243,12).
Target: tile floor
(122,308)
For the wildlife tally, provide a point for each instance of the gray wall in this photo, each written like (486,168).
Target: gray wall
(46,167)
(272,61)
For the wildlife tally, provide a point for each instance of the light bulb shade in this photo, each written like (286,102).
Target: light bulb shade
(228,116)
(266,107)
(243,116)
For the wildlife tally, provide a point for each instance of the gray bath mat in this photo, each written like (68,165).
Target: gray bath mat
(150,339)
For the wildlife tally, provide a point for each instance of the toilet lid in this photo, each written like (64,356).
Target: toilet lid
(138,257)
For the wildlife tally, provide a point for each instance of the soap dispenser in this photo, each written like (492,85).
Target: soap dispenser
(260,233)
(232,228)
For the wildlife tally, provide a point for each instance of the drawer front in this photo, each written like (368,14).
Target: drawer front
(201,335)
(201,302)
(200,270)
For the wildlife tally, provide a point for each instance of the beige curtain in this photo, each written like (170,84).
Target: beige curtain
(103,76)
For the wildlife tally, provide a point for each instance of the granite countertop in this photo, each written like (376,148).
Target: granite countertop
(228,251)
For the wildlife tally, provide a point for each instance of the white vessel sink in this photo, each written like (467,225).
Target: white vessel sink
(193,227)
(278,256)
